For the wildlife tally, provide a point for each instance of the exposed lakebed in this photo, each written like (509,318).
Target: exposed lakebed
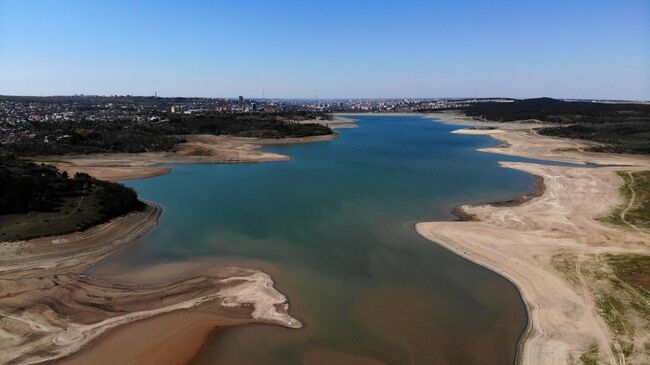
(334,226)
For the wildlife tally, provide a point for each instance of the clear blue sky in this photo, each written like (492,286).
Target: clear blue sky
(327,48)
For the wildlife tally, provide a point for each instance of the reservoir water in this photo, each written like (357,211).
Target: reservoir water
(334,226)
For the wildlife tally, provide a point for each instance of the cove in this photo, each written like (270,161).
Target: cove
(334,226)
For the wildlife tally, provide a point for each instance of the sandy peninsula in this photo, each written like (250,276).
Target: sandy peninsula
(198,148)
(523,241)
(51,309)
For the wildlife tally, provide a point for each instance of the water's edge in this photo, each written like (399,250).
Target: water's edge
(533,189)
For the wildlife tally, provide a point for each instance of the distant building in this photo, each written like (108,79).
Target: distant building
(174,110)
(241,99)
(254,106)
(271,108)
(195,111)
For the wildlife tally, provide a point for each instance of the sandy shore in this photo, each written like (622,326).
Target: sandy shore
(197,149)
(50,309)
(520,241)
(340,121)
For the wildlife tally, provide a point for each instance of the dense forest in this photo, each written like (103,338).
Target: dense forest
(275,125)
(157,134)
(614,137)
(619,127)
(55,138)
(560,111)
(69,203)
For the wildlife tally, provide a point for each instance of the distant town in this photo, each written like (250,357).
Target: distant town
(35,124)
(14,109)
(17,110)
(19,113)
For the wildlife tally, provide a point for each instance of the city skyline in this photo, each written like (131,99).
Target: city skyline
(323,50)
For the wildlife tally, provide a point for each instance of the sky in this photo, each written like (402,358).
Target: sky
(591,49)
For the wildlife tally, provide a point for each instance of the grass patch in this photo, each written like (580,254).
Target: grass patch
(565,263)
(591,356)
(625,188)
(620,285)
(632,274)
(201,152)
(613,311)
(633,269)
(615,216)
(37,200)
(627,348)
(74,214)
(639,214)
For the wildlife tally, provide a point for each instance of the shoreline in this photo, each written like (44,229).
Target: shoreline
(64,332)
(234,295)
(494,221)
(198,148)
(488,238)
(51,309)
(536,191)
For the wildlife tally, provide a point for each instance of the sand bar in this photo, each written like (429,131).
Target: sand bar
(49,309)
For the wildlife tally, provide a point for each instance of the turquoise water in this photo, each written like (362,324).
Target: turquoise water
(335,227)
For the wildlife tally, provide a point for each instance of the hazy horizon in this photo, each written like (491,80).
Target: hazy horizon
(234,97)
(327,50)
